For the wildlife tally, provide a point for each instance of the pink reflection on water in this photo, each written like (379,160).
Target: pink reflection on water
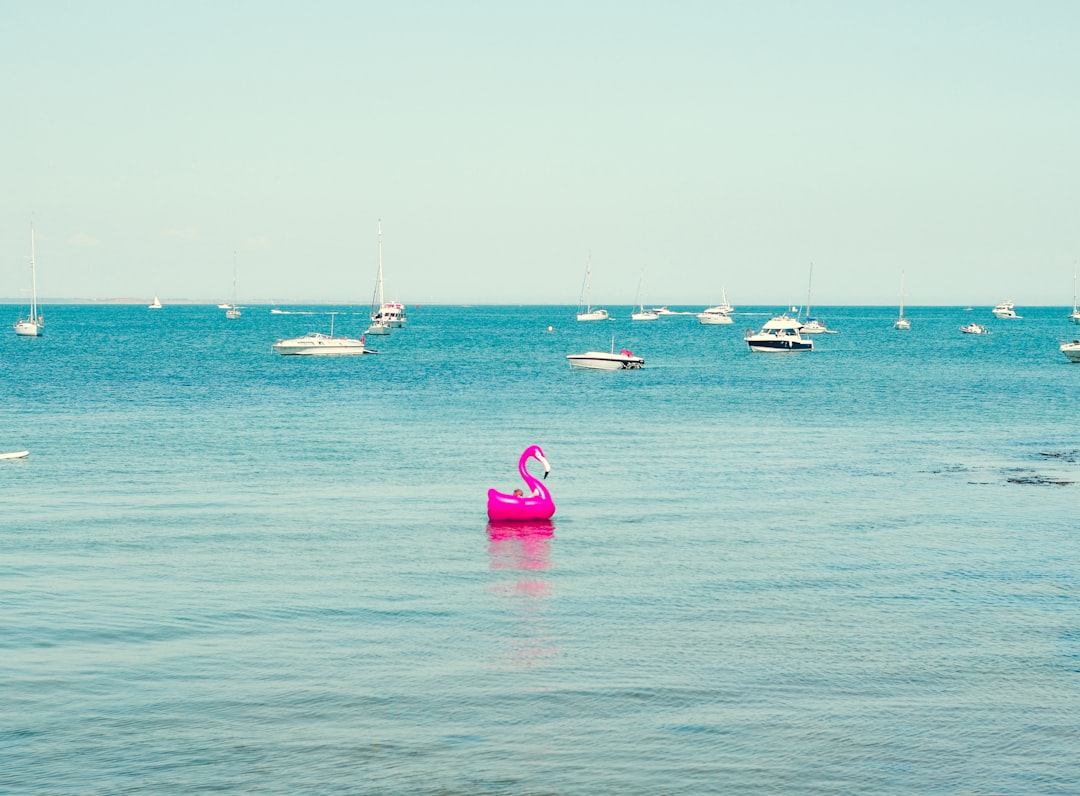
(522,551)
(520,545)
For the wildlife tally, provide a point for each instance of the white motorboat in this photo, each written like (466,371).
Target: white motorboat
(155,304)
(974,328)
(605,360)
(15,455)
(33,324)
(902,323)
(662,311)
(1071,350)
(232,311)
(385,315)
(779,334)
(586,311)
(318,344)
(1005,309)
(714,316)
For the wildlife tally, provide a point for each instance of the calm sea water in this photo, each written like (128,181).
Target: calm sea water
(852,571)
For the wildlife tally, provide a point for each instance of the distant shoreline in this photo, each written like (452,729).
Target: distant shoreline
(18,302)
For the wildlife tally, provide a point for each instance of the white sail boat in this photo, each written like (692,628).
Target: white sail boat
(1074,316)
(902,323)
(390,314)
(233,311)
(718,315)
(813,325)
(155,304)
(585,308)
(643,314)
(32,324)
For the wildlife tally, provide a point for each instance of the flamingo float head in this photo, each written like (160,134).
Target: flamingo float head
(537,454)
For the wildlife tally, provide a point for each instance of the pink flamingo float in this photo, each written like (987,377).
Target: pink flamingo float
(537,505)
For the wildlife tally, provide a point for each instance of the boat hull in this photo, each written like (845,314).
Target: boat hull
(26,328)
(1071,351)
(319,345)
(595,315)
(600,360)
(780,346)
(714,319)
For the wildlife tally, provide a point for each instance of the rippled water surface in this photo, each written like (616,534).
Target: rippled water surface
(850,571)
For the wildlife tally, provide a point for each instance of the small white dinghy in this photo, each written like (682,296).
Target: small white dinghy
(15,455)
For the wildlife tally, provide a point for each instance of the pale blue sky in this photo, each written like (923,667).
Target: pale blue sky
(704,144)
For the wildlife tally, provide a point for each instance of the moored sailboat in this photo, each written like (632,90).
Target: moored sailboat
(1074,316)
(812,324)
(32,324)
(902,323)
(643,314)
(232,312)
(585,309)
(385,315)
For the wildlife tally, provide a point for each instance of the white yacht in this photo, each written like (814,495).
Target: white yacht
(32,324)
(714,316)
(605,360)
(318,344)
(155,304)
(974,328)
(1071,350)
(586,311)
(1005,309)
(779,334)
(385,315)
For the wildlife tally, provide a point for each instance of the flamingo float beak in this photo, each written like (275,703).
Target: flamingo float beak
(547,467)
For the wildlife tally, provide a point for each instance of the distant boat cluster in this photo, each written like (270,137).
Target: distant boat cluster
(781,333)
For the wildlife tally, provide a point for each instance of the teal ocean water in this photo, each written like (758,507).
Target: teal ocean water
(852,571)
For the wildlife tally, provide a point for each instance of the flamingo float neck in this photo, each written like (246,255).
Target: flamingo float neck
(535,486)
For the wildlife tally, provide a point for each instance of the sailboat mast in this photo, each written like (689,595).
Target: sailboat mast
(901,294)
(382,297)
(33,277)
(588,283)
(809,285)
